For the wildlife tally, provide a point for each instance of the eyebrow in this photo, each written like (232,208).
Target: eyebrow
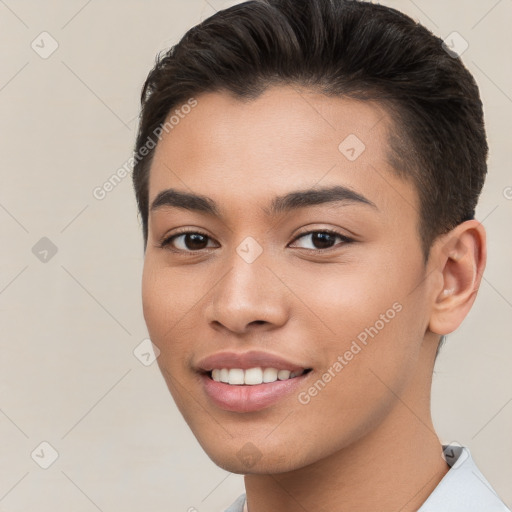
(279,204)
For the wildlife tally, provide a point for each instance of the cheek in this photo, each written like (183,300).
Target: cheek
(168,304)
(344,300)
(163,305)
(369,336)
(167,297)
(153,299)
(173,299)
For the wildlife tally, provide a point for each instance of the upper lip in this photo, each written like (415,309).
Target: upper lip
(245,360)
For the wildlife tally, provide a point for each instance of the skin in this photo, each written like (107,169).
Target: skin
(366,440)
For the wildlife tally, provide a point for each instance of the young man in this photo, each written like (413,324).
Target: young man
(307,175)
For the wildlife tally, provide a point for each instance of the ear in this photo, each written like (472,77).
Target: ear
(459,259)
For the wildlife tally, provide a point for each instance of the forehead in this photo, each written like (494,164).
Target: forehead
(286,139)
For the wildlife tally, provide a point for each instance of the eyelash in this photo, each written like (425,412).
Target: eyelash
(167,241)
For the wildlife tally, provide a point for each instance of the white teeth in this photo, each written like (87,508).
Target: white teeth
(236,376)
(270,375)
(283,374)
(224,375)
(252,376)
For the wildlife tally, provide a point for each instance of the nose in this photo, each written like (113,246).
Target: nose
(248,296)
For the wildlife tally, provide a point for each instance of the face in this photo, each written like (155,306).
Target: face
(301,255)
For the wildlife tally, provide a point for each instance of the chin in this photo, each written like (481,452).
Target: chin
(245,457)
(234,465)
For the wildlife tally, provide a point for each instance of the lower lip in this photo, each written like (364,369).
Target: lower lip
(247,398)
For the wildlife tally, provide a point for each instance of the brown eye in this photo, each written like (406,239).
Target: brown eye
(323,240)
(188,241)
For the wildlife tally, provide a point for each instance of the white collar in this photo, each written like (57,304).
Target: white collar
(463,488)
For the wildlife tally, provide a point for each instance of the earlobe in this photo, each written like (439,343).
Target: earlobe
(460,260)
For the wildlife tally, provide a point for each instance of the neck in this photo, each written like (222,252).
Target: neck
(395,467)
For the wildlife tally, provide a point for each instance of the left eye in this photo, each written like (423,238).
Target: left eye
(323,240)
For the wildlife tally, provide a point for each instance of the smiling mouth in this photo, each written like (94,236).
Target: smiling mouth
(253,376)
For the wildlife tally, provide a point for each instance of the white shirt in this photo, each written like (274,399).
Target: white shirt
(462,489)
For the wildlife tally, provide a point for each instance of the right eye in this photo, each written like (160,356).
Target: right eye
(186,241)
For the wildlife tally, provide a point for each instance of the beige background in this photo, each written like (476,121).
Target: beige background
(69,325)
